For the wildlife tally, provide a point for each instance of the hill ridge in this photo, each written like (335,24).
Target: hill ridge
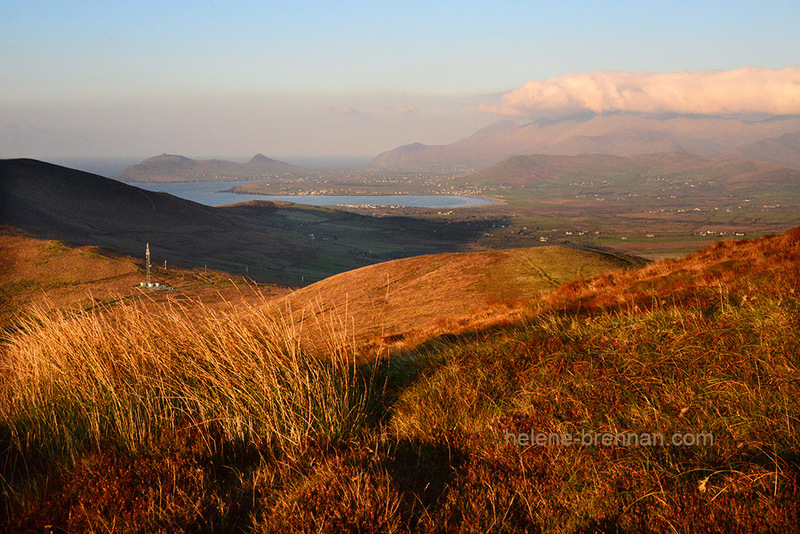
(403,301)
(177,168)
(614,134)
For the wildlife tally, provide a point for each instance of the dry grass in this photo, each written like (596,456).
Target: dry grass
(750,269)
(162,418)
(670,370)
(35,270)
(135,375)
(400,303)
(40,274)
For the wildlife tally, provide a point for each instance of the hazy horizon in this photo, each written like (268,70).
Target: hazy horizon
(355,79)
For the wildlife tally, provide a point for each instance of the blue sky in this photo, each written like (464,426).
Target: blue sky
(332,78)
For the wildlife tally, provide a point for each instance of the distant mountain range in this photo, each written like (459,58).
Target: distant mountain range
(784,150)
(174,168)
(647,173)
(776,140)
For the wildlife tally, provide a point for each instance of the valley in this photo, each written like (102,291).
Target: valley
(655,205)
(659,186)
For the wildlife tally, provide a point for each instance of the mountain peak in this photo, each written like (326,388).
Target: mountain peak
(262,162)
(167,157)
(260,158)
(496,128)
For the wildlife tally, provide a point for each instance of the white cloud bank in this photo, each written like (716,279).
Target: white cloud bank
(749,90)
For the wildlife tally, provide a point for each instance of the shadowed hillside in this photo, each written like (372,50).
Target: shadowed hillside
(86,209)
(284,243)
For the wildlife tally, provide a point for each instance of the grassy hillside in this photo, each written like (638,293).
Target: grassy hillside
(207,420)
(34,270)
(404,301)
(37,274)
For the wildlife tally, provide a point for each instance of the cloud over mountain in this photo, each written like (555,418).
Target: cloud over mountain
(748,90)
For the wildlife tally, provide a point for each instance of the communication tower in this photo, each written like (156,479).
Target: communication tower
(147,264)
(147,267)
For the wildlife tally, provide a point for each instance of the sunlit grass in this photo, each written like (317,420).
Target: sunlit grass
(132,375)
(167,417)
(728,371)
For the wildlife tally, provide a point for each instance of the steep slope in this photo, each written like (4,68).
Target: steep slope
(613,134)
(403,301)
(173,168)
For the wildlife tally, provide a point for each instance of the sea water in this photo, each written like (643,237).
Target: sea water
(214,194)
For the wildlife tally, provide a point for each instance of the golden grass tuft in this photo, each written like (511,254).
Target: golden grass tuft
(143,372)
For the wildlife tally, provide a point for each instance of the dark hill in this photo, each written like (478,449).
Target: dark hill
(173,168)
(85,209)
(268,241)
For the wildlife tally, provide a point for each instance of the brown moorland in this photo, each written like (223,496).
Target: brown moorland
(216,421)
(50,274)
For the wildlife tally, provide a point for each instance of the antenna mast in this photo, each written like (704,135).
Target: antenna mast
(147,264)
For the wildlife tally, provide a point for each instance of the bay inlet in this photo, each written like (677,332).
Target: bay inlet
(214,194)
